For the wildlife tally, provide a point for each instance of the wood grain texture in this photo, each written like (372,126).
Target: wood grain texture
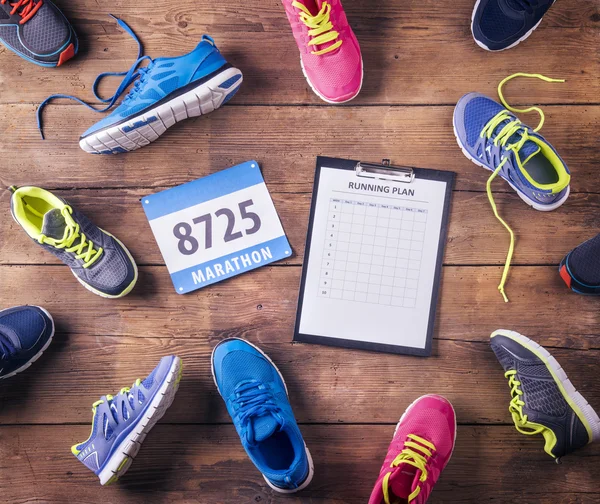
(200,465)
(412,136)
(419,59)
(414,52)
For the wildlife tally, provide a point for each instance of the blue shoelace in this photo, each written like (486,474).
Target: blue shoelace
(253,401)
(6,347)
(131,75)
(527,5)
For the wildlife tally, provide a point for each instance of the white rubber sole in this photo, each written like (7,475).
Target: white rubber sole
(311,465)
(121,460)
(483,46)
(524,197)
(37,355)
(362,76)
(145,128)
(129,287)
(584,411)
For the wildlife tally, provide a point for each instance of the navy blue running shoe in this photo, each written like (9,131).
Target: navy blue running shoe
(120,423)
(501,24)
(165,91)
(544,401)
(580,268)
(25,333)
(37,31)
(257,401)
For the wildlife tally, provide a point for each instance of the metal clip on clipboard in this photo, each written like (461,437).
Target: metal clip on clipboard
(385,171)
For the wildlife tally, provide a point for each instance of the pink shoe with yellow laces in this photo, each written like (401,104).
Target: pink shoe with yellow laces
(329,52)
(421,448)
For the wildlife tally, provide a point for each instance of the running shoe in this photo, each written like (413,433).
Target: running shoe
(580,269)
(98,260)
(121,423)
(501,24)
(420,450)
(37,31)
(164,92)
(544,400)
(256,398)
(491,136)
(330,56)
(25,333)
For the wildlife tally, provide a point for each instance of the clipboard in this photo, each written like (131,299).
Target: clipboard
(373,257)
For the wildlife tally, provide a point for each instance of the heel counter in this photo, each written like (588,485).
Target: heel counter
(211,63)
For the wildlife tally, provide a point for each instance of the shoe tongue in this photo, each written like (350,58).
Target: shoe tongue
(528,152)
(403,481)
(264,427)
(54,224)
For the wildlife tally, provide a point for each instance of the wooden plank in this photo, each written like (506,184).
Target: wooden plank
(262,304)
(351,386)
(414,136)
(414,52)
(475,236)
(193,464)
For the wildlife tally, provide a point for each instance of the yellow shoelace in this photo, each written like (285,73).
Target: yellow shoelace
(516,406)
(502,138)
(89,255)
(411,456)
(321,28)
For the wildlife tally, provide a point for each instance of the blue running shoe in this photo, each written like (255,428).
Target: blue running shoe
(580,268)
(491,136)
(501,24)
(166,91)
(37,31)
(120,424)
(25,333)
(256,398)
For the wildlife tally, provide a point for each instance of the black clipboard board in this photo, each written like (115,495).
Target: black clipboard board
(401,175)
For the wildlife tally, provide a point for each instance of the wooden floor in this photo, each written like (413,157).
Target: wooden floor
(419,59)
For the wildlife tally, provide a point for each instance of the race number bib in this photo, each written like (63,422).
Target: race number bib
(216,227)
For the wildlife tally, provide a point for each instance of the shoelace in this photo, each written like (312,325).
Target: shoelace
(253,401)
(131,75)
(84,250)
(410,455)
(516,406)
(25,8)
(526,5)
(321,28)
(109,397)
(502,138)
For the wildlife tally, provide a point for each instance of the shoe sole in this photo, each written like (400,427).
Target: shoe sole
(483,46)
(523,196)
(326,99)
(311,466)
(141,130)
(121,460)
(37,355)
(583,410)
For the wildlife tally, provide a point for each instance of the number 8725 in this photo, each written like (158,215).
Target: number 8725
(188,245)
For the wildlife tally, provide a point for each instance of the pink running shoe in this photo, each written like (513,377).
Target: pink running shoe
(421,448)
(329,52)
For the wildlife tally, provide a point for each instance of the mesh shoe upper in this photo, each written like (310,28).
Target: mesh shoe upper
(24,331)
(42,38)
(583,262)
(498,24)
(544,402)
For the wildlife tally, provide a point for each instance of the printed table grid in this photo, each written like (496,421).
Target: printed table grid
(372,253)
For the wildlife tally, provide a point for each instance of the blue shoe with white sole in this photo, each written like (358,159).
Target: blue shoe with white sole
(257,401)
(25,333)
(165,91)
(121,423)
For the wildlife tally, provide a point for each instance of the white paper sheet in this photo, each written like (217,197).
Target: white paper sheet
(373,253)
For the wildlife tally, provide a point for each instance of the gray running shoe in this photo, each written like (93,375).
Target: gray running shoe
(37,31)
(97,259)
(544,400)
